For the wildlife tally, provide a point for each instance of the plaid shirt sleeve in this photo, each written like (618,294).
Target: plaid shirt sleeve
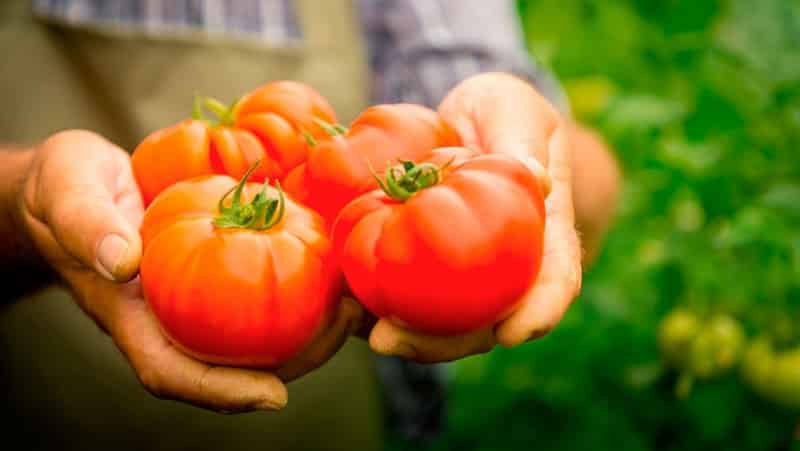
(420,49)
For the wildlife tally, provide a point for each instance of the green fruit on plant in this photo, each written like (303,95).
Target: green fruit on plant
(701,348)
(717,347)
(675,335)
(773,374)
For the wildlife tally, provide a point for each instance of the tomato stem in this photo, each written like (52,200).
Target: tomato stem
(331,129)
(309,139)
(407,178)
(261,213)
(224,113)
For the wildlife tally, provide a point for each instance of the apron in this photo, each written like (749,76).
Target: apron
(65,384)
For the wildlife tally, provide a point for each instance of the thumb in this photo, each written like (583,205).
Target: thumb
(500,113)
(88,197)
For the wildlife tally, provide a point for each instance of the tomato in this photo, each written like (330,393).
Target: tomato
(675,334)
(448,245)
(717,347)
(700,348)
(249,284)
(273,124)
(340,169)
(773,374)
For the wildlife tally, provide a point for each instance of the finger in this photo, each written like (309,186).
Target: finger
(559,278)
(86,194)
(545,182)
(389,339)
(169,374)
(501,113)
(344,324)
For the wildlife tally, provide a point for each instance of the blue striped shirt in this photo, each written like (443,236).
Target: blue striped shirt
(418,49)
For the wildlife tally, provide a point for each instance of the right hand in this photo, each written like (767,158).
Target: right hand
(80,208)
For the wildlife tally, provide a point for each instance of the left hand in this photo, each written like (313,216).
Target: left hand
(497,112)
(80,209)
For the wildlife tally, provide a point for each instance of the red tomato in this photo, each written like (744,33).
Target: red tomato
(444,249)
(271,124)
(247,285)
(338,169)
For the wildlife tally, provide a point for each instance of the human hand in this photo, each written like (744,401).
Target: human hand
(81,209)
(497,112)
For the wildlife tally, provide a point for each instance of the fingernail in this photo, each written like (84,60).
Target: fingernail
(538,333)
(110,253)
(545,183)
(276,403)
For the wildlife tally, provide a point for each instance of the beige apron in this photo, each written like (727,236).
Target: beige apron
(66,384)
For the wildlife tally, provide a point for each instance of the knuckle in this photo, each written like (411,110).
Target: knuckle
(68,139)
(202,383)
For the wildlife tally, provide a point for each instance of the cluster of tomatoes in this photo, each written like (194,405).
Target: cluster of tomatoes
(705,346)
(437,237)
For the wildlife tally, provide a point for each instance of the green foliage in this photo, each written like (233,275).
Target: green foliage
(700,100)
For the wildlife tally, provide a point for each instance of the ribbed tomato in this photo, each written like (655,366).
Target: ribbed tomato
(273,124)
(448,245)
(249,284)
(339,169)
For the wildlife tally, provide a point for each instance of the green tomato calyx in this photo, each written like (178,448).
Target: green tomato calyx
(333,130)
(224,114)
(407,178)
(261,213)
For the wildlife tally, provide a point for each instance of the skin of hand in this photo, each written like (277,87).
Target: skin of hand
(497,112)
(81,209)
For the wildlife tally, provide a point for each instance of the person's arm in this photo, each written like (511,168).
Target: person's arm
(72,203)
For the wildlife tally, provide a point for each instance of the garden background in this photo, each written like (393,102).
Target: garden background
(700,100)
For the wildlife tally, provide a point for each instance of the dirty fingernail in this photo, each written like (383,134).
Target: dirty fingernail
(110,253)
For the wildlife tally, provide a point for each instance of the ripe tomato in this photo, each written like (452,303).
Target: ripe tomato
(272,124)
(446,246)
(248,284)
(339,169)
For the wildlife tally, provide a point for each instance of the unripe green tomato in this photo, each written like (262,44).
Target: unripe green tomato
(675,335)
(701,356)
(757,363)
(773,375)
(717,347)
(786,380)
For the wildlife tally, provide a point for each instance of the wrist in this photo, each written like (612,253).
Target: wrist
(19,257)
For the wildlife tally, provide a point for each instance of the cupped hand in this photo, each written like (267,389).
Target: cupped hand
(81,208)
(499,113)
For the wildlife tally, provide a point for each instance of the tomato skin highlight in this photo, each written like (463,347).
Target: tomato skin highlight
(454,257)
(270,124)
(236,296)
(338,168)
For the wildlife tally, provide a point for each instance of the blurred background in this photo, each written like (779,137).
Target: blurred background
(686,335)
